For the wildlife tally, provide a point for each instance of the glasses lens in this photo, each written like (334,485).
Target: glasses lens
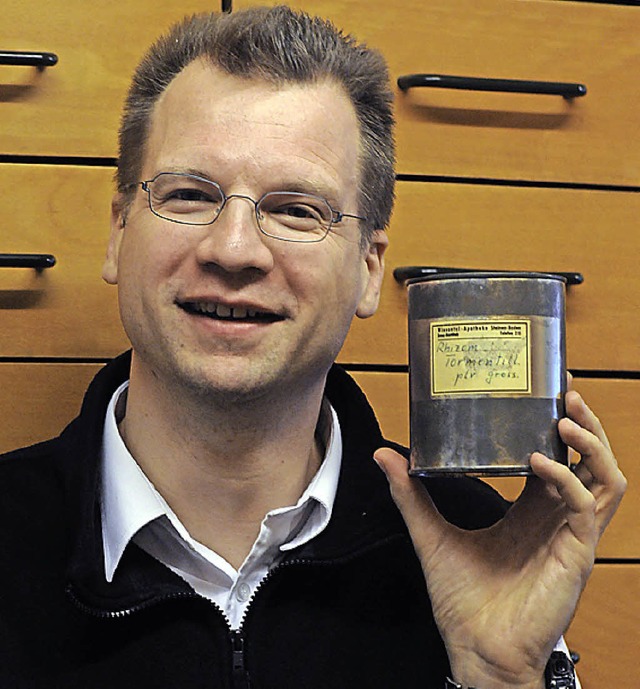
(185,198)
(293,216)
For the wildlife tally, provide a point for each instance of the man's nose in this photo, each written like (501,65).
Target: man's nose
(234,241)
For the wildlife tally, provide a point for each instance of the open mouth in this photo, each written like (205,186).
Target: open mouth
(223,312)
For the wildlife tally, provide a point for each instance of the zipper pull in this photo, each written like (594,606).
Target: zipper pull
(239,675)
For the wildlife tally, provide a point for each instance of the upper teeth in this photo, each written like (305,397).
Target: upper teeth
(225,311)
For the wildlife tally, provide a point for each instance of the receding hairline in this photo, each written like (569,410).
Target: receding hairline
(278,85)
(276,81)
(277,45)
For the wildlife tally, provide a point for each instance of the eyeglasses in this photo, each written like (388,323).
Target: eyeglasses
(287,215)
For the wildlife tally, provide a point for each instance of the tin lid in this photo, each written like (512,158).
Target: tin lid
(463,274)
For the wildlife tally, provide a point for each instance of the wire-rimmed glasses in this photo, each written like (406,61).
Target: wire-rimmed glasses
(291,216)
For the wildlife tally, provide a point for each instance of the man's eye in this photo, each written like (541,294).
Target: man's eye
(188,195)
(298,211)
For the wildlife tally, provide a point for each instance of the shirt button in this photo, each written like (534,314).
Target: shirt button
(243,592)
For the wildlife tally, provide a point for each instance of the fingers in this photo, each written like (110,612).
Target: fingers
(593,490)
(578,411)
(597,473)
(596,459)
(422,518)
(597,464)
(579,523)
(584,433)
(569,381)
(409,494)
(579,500)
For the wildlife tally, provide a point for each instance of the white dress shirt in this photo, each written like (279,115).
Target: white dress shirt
(133,510)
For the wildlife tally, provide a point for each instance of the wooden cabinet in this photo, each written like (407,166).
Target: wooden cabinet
(39,399)
(73,108)
(605,628)
(592,139)
(518,228)
(66,310)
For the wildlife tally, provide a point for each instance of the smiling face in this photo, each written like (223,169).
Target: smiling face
(222,308)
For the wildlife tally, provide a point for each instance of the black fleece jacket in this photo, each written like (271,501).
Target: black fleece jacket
(348,609)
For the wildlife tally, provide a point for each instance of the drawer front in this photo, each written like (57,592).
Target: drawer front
(73,107)
(496,135)
(67,310)
(605,628)
(39,400)
(508,228)
(616,403)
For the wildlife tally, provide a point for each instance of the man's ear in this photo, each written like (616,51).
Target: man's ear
(373,272)
(118,222)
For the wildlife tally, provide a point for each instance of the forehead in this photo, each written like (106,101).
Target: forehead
(248,127)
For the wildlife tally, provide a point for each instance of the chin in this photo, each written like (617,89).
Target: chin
(226,383)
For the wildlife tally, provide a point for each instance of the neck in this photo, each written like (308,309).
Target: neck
(222,467)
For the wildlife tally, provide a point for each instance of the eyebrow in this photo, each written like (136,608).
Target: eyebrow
(309,187)
(191,171)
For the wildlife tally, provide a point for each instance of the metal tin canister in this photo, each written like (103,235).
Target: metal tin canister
(486,372)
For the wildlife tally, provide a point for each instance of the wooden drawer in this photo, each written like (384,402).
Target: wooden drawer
(73,107)
(508,228)
(39,400)
(512,136)
(605,628)
(615,401)
(67,310)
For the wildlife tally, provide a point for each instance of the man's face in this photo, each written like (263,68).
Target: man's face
(175,281)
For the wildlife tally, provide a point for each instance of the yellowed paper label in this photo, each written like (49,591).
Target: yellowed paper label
(480,356)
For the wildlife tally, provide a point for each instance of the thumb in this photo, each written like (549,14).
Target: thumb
(426,525)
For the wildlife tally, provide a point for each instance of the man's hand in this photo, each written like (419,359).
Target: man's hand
(503,596)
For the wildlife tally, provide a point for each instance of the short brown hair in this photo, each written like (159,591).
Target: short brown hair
(281,46)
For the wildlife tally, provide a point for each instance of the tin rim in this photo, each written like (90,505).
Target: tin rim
(486,274)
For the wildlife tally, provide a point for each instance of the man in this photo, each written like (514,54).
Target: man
(214,517)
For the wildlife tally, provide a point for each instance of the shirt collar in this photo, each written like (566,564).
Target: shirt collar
(129,501)
(323,487)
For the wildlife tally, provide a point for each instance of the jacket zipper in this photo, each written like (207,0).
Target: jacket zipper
(126,612)
(239,675)
(240,678)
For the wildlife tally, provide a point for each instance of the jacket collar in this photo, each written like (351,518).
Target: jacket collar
(363,513)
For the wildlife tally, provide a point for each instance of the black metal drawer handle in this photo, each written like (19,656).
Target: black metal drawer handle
(37,261)
(27,58)
(445,81)
(404,273)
